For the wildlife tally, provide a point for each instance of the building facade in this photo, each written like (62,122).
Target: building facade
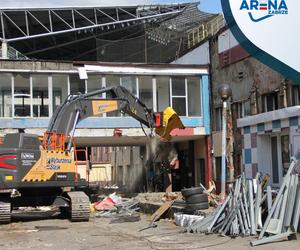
(260,97)
(32,90)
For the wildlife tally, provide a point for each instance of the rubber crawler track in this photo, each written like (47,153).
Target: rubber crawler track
(5,212)
(79,206)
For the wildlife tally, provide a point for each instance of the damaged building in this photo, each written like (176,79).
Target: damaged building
(263,119)
(42,55)
(42,64)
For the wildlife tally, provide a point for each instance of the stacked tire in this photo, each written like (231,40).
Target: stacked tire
(195,199)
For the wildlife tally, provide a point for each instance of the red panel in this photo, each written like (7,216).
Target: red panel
(232,55)
(158,121)
(182,132)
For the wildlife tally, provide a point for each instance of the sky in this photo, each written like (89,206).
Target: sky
(213,6)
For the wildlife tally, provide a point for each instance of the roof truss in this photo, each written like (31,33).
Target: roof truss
(17,25)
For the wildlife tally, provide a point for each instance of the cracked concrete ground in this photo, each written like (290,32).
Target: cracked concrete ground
(48,231)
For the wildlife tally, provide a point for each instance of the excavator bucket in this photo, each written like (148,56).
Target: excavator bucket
(170,122)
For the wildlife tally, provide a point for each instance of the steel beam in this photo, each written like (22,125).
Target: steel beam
(271,239)
(269,198)
(281,190)
(86,27)
(251,208)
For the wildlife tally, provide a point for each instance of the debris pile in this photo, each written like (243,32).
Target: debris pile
(118,209)
(108,202)
(252,207)
(185,220)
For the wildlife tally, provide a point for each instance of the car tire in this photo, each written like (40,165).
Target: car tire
(197,198)
(197,206)
(186,192)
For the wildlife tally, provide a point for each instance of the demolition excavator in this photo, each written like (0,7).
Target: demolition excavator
(35,172)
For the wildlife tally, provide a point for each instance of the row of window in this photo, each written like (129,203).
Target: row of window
(38,95)
(266,103)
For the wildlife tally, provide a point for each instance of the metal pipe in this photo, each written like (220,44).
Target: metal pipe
(279,195)
(271,238)
(269,198)
(252,220)
(224,132)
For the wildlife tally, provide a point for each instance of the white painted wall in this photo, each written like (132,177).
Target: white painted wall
(226,41)
(199,55)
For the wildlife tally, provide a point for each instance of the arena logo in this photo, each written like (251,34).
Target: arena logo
(264,8)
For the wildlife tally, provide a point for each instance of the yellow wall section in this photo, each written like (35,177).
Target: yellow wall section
(39,171)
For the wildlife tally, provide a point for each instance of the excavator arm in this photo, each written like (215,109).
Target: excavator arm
(82,106)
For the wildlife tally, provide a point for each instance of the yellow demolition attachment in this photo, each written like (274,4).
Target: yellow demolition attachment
(171,121)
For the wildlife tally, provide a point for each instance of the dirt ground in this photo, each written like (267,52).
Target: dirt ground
(47,230)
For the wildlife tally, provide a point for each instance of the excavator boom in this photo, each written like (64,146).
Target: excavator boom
(82,106)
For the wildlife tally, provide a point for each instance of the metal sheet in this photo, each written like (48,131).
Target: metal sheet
(281,190)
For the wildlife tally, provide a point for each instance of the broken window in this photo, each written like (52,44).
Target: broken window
(269,102)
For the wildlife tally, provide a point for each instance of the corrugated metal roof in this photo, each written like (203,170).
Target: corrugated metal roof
(188,19)
(33,4)
(30,4)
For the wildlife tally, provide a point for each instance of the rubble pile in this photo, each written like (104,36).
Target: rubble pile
(252,207)
(118,209)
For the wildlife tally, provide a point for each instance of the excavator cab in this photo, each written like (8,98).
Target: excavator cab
(166,122)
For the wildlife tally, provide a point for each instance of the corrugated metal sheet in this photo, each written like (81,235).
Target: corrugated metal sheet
(14,4)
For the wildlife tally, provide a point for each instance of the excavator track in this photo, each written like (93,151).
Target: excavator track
(79,206)
(5,212)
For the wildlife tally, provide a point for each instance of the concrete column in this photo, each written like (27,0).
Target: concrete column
(4,49)
(284,93)
(253,101)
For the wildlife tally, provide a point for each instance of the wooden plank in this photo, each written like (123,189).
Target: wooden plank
(160,211)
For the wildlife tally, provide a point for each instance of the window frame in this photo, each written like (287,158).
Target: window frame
(177,96)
